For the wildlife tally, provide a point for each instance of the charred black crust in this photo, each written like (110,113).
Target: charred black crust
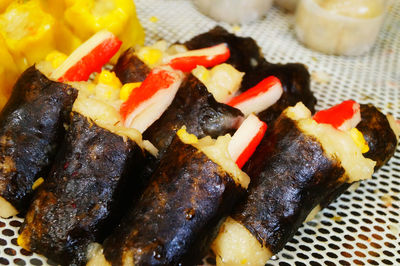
(295,81)
(195,108)
(172,221)
(31,127)
(290,174)
(86,192)
(130,68)
(379,135)
(246,56)
(245,53)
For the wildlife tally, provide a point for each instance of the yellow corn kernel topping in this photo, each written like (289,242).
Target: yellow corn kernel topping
(150,56)
(21,242)
(37,183)
(359,140)
(127,89)
(108,78)
(56,58)
(153,19)
(186,137)
(202,73)
(86,17)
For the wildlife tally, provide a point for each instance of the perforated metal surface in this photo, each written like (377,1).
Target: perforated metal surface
(363,226)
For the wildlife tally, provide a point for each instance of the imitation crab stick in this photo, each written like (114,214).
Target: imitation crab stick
(260,97)
(343,116)
(207,57)
(88,58)
(246,139)
(294,169)
(147,102)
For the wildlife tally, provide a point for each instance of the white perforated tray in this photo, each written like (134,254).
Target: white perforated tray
(363,226)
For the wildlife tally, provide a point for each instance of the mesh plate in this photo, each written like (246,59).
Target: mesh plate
(363,226)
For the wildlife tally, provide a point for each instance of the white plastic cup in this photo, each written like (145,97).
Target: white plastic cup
(234,11)
(289,5)
(332,33)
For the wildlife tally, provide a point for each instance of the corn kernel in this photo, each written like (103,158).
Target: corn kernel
(37,183)
(359,140)
(153,19)
(108,78)
(127,89)
(186,137)
(56,58)
(202,73)
(21,242)
(150,56)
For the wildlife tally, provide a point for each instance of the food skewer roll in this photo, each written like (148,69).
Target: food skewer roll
(296,165)
(245,53)
(185,201)
(32,123)
(31,126)
(87,190)
(295,81)
(194,187)
(381,133)
(246,56)
(191,105)
(196,108)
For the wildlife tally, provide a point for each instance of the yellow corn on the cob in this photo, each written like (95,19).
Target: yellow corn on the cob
(8,73)
(4,4)
(66,40)
(28,32)
(85,17)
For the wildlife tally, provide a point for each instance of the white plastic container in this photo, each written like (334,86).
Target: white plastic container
(340,27)
(289,5)
(234,11)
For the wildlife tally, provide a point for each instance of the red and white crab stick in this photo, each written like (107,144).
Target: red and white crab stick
(343,116)
(258,98)
(207,57)
(148,102)
(89,57)
(246,139)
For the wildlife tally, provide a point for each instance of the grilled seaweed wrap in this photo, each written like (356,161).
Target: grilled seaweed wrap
(295,81)
(195,108)
(294,168)
(89,187)
(246,56)
(31,127)
(130,68)
(175,220)
(381,133)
